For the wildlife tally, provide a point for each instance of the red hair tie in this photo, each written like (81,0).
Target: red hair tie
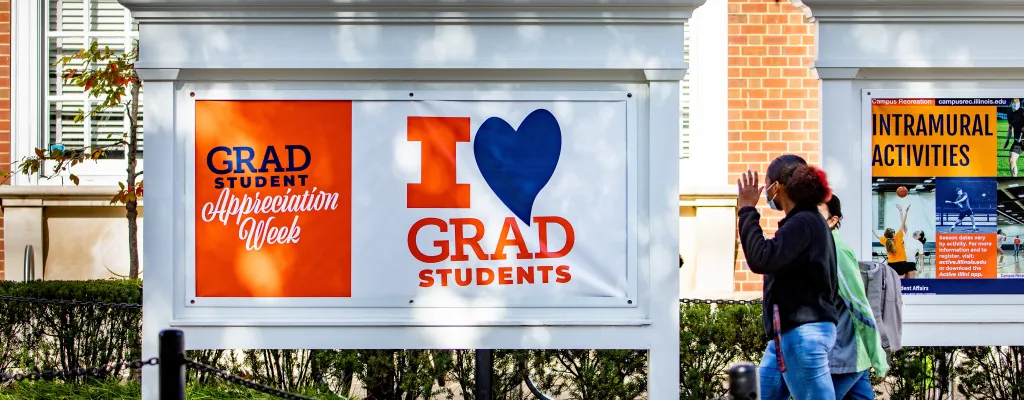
(823,178)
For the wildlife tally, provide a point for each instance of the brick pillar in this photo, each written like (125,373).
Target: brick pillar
(773,96)
(5,104)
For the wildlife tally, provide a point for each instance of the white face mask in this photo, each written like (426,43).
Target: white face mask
(1015,105)
(771,200)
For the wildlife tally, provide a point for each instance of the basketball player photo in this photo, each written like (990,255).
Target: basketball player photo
(902,225)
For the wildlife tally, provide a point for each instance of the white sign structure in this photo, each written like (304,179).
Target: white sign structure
(527,200)
(871,56)
(414,174)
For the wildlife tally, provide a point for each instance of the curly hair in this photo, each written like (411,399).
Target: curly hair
(806,185)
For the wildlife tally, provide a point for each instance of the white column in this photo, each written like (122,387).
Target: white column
(160,229)
(709,96)
(27,65)
(707,204)
(841,141)
(663,364)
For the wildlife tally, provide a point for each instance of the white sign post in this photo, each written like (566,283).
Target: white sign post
(402,174)
(884,65)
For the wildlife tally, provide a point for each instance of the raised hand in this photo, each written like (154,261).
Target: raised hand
(749,191)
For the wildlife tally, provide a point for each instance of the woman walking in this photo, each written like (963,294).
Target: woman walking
(801,302)
(858,346)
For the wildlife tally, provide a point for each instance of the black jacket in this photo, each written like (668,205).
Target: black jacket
(799,268)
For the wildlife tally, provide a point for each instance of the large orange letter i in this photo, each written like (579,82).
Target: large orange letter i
(438,137)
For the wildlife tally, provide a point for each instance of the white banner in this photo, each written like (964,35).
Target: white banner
(537,207)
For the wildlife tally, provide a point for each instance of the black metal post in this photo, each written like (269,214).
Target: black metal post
(743,383)
(172,365)
(484,374)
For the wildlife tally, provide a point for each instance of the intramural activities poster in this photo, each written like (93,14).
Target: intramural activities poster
(947,196)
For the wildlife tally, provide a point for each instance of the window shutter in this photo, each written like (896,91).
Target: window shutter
(72,26)
(684,100)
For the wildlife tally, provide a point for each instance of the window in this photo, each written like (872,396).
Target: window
(72,25)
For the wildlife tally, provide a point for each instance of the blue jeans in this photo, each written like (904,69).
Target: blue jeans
(805,354)
(855,386)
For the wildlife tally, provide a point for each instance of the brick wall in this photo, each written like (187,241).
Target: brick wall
(773,96)
(5,103)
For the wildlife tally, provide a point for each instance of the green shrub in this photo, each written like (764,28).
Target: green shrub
(510,368)
(711,338)
(57,337)
(921,373)
(992,373)
(399,374)
(592,374)
(64,337)
(131,390)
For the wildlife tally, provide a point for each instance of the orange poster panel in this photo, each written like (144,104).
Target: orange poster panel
(963,256)
(918,138)
(273,198)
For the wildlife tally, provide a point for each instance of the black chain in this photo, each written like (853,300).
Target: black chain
(71,303)
(227,376)
(99,372)
(720,301)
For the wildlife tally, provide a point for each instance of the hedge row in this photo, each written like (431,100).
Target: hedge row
(711,338)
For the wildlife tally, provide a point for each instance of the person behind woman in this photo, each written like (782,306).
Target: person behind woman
(800,301)
(858,345)
(894,246)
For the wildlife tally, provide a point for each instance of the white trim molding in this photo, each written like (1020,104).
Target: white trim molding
(27,73)
(437,12)
(912,10)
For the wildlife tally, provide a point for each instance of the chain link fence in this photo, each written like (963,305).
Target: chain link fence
(181,362)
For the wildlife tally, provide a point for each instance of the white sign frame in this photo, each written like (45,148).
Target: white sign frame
(630,311)
(863,245)
(192,92)
(651,324)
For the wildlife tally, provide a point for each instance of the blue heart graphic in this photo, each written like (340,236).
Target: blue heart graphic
(516,164)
